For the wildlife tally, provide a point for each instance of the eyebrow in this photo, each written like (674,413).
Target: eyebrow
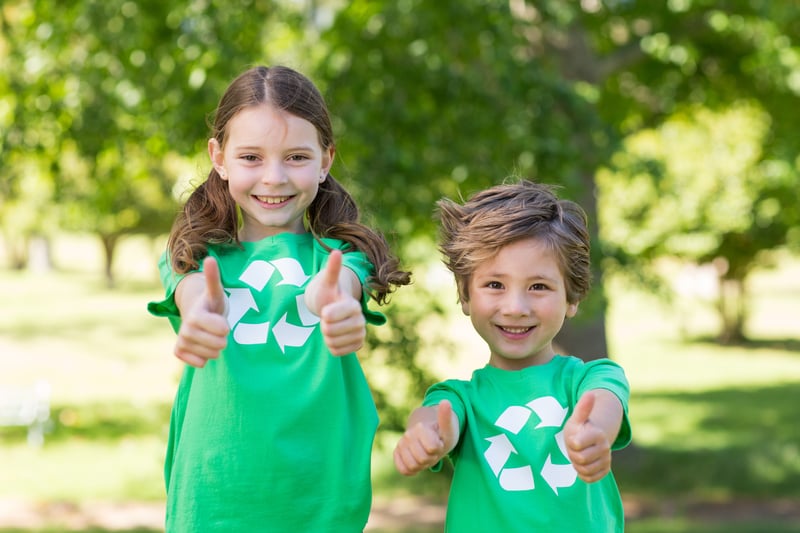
(256,148)
(498,275)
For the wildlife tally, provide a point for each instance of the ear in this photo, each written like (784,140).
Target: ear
(327,162)
(572,310)
(465,307)
(216,155)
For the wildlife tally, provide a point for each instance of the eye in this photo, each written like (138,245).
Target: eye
(494,285)
(539,287)
(250,157)
(298,157)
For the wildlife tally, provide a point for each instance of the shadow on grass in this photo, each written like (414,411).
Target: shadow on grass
(728,443)
(787,345)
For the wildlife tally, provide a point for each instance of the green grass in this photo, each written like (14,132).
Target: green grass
(713,426)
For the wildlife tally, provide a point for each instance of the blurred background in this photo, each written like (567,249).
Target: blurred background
(673,123)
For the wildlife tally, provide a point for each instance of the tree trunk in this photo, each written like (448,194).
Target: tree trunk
(109,247)
(39,254)
(732,310)
(586,339)
(17,250)
(584,335)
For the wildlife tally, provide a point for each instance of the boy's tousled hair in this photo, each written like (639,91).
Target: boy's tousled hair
(210,215)
(501,215)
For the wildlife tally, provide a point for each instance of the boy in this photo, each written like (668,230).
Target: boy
(531,434)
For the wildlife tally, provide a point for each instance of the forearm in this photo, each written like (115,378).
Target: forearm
(188,291)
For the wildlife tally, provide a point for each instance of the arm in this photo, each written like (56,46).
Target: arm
(334,295)
(590,432)
(204,329)
(432,433)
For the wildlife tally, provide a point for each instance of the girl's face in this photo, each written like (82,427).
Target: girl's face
(273,163)
(517,304)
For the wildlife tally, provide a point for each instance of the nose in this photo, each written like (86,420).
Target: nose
(517,303)
(274,173)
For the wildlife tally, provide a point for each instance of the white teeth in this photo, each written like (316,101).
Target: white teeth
(272,199)
(515,330)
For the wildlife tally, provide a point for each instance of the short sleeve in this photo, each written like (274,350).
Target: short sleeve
(167,307)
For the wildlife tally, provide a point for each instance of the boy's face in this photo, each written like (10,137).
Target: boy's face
(517,304)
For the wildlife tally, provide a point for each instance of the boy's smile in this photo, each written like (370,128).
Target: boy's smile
(518,303)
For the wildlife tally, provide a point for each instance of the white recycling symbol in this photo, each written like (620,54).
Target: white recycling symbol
(512,420)
(240,301)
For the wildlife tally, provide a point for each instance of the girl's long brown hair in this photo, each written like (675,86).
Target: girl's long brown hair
(210,215)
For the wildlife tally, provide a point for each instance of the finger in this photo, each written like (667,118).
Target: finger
(583,409)
(424,452)
(191,359)
(593,471)
(343,326)
(404,465)
(214,291)
(345,311)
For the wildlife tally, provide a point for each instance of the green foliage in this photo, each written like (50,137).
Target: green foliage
(699,188)
(443,100)
(100,96)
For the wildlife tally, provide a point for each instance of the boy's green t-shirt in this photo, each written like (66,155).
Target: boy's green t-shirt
(511,471)
(276,434)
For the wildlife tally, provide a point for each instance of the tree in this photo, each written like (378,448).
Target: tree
(109,95)
(699,189)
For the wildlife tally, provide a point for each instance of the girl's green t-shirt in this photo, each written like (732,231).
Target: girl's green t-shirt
(275,435)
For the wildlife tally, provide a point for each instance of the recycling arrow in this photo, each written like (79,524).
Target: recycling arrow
(550,414)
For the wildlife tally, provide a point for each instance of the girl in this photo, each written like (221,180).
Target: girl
(267,276)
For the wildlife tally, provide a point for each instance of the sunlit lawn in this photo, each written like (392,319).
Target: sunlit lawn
(712,424)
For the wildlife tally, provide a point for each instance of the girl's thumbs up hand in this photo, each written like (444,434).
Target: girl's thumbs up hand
(331,295)
(204,328)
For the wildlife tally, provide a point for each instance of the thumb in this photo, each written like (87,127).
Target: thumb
(444,417)
(583,409)
(215,294)
(329,286)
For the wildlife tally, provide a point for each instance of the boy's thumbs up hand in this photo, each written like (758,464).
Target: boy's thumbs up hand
(432,432)
(587,445)
(204,328)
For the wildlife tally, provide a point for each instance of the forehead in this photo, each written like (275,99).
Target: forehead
(526,258)
(265,123)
